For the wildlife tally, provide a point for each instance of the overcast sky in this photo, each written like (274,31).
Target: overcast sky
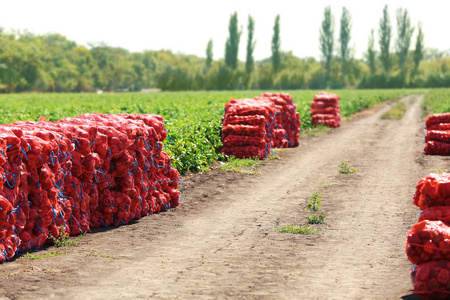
(185,26)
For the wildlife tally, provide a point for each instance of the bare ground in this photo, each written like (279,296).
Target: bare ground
(221,241)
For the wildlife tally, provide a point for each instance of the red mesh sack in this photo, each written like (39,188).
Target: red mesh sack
(436,213)
(438,135)
(437,148)
(439,126)
(432,280)
(433,190)
(256,120)
(436,119)
(427,241)
(245,152)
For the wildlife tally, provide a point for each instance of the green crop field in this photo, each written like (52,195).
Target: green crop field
(193,119)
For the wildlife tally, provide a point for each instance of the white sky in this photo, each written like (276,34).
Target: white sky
(185,26)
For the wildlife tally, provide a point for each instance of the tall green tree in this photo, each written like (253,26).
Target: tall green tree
(276,42)
(232,44)
(344,39)
(371,53)
(209,55)
(404,34)
(250,62)
(326,40)
(384,33)
(418,51)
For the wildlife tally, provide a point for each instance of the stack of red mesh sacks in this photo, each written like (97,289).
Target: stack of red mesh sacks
(80,173)
(287,122)
(428,242)
(438,134)
(325,110)
(248,128)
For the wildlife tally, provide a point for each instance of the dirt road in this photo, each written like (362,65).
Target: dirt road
(221,243)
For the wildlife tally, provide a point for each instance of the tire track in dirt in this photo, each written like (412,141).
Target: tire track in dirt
(221,242)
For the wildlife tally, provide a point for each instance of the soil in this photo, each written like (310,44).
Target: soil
(222,242)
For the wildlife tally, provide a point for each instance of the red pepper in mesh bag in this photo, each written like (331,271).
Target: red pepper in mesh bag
(432,280)
(433,190)
(428,240)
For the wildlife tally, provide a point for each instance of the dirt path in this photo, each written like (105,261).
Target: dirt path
(221,242)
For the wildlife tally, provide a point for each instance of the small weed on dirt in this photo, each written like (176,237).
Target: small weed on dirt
(396,111)
(302,229)
(64,240)
(315,205)
(345,168)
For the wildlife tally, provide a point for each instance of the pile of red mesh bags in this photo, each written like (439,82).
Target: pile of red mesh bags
(325,110)
(248,128)
(287,122)
(428,242)
(438,134)
(80,173)
(251,127)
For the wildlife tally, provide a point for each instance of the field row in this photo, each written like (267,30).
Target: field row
(193,119)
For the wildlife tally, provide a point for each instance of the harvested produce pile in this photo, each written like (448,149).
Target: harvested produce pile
(80,173)
(325,110)
(428,242)
(286,120)
(438,134)
(248,128)
(251,127)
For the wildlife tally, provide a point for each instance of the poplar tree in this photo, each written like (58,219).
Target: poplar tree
(232,44)
(404,34)
(344,39)
(384,33)
(418,51)
(371,53)
(250,63)
(209,54)
(326,40)
(276,59)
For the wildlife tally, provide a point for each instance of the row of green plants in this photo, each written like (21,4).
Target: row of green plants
(193,119)
(436,101)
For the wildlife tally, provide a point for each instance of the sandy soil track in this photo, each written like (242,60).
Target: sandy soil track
(221,242)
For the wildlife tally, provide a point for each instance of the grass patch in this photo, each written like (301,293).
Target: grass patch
(345,168)
(319,130)
(238,165)
(295,229)
(39,256)
(395,112)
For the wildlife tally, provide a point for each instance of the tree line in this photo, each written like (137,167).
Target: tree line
(52,63)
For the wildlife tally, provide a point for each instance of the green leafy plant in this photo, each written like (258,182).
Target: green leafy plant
(345,168)
(315,218)
(297,229)
(314,203)
(63,240)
